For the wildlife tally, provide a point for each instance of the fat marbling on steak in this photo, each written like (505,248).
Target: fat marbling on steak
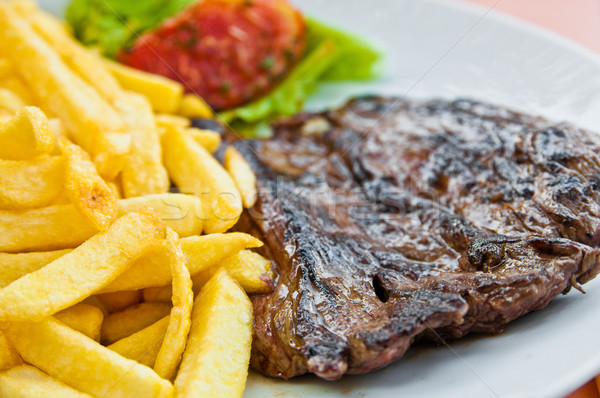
(391,220)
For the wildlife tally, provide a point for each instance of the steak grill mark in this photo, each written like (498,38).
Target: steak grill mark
(414,220)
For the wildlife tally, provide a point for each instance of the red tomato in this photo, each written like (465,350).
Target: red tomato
(229,52)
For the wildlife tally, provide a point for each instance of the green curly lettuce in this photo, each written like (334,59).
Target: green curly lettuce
(114,24)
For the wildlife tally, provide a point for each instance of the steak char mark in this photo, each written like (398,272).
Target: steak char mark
(396,220)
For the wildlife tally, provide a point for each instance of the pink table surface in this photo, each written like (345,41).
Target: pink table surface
(578,20)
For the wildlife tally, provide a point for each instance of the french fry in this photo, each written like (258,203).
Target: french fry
(143,346)
(143,173)
(27,184)
(209,139)
(84,318)
(95,302)
(86,190)
(158,294)
(28,382)
(171,349)
(78,274)
(118,301)
(242,175)
(80,362)
(5,68)
(201,252)
(121,324)
(15,85)
(195,170)
(182,213)
(85,114)
(16,265)
(164,94)
(58,128)
(62,226)
(171,121)
(193,106)
(9,357)
(10,101)
(215,360)
(251,270)
(26,136)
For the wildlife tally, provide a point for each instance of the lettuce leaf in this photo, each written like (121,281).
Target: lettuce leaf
(115,24)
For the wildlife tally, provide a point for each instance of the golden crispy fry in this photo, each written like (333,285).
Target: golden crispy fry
(5,68)
(164,94)
(26,184)
(215,361)
(10,101)
(58,128)
(201,252)
(16,265)
(17,87)
(118,301)
(62,226)
(169,356)
(28,382)
(95,301)
(143,173)
(85,114)
(171,121)
(195,170)
(47,228)
(84,318)
(182,213)
(86,190)
(143,346)
(78,274)
(251,270)
(209,139)
(242,174)
(193,106)
(26,136)
(111,151)
(158,294)
(9,357)
(82,363)
(121,324)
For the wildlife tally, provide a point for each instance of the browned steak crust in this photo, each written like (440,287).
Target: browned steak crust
(391,220)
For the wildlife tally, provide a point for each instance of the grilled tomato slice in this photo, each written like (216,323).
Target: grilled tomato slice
(229,52)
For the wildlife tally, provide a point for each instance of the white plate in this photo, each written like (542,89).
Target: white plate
(447,49)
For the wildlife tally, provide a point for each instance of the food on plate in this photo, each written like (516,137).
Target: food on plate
(256,59)
(242,175)
(82,363)
(26,184)
(88,185)
(62,226)
(405,220)
(85,189)
(143,345)
(84,318)
(194,170)
(215,360)
(118,301)
(202,252)
(26,135)
(251,270)
(165,95)
(9,357)
(169,355)
(132,319)
(227,52)
(26,381)
(78,274)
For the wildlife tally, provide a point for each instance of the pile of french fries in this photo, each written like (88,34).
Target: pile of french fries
(110,286)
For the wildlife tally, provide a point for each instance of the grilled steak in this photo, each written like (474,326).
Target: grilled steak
(391,220)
